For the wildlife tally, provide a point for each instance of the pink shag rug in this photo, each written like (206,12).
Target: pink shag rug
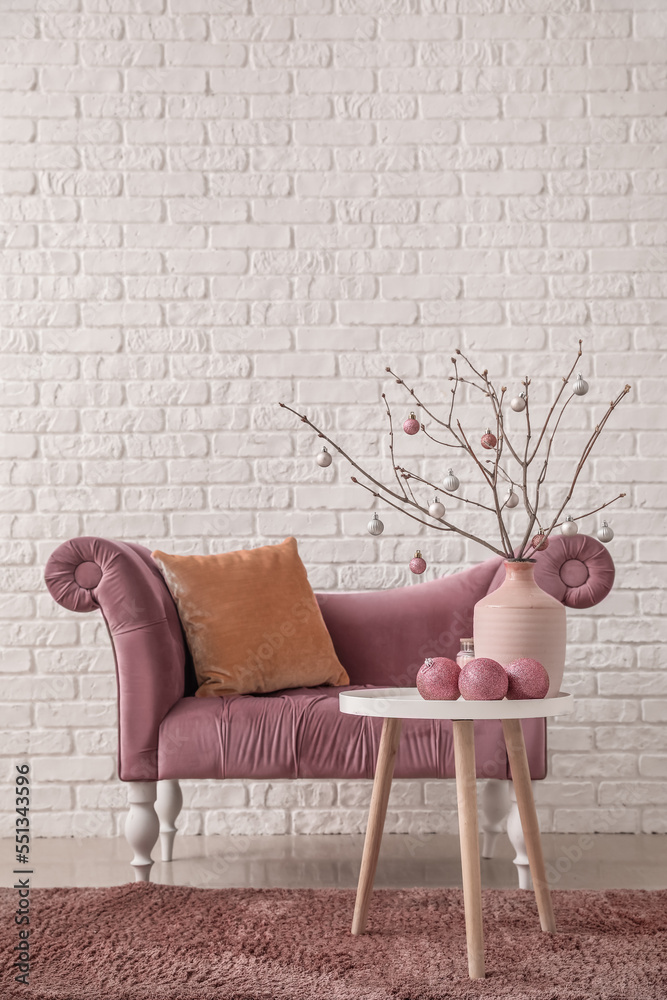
(154,942)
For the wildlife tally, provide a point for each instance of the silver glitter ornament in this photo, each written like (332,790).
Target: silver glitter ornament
(375,525)
(451,482)
(569,526)
(605,533)
(324,458)
(580,387)
(437,509)
(519,403)
(511,500)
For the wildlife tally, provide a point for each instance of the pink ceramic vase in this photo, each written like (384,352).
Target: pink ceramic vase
(520,620)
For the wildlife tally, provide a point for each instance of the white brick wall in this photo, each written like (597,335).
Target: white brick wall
(210,205)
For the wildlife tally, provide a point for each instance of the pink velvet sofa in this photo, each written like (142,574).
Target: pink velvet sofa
(165,733)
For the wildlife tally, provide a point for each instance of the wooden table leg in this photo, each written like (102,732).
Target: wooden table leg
(516,751)
(466,794)
(384,770)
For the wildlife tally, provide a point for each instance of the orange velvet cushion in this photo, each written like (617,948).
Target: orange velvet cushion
(251,620)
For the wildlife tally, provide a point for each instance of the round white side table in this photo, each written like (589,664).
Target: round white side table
(395,704)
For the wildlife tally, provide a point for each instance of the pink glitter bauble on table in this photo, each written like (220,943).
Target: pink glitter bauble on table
(438,679)
(483,679)
(527,679)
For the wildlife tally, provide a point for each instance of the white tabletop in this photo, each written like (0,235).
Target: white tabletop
(407,703)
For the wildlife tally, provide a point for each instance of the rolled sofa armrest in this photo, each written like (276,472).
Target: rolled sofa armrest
(122,581)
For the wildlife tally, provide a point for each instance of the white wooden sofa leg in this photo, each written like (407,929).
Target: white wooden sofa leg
(142,826)
(515,834)
(495,803)
(169,804)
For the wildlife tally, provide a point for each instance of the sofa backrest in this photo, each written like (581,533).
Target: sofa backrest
(382,637)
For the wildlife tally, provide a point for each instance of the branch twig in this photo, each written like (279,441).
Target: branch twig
(589,513)
(391,446)
(441,526)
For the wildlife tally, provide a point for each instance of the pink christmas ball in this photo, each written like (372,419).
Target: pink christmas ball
(489,440)
(527,679)
(438,679)
(482,679)
(411,425)
(417,564)
(540,542)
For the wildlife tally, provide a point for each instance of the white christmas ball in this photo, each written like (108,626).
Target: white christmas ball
(569,527)
(605,533)
(375,525)
(580,387)
(451,482)
(437,509)
(511,499)
(324,458)
(518,403)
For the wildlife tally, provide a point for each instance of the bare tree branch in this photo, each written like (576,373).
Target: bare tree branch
(545,465)
(445,444)
(304,419)
(441,526)
(400,482)
(566,379)
(589,513)
(489,390)
(587,450)
(386,492)
(496,472)
(418,401)
(594,511)
(441,489)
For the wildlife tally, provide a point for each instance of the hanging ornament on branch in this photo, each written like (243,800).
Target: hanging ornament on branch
(417,564)
(511,500)
(451,482)
(489,440)
(519,402)
(324,458)
(411,425)
(437,509)
(580,387)
(605,533)
(375,525)
(540,542)
(569,526)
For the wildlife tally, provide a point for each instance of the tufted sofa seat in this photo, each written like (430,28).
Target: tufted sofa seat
(300,733)
(381,638)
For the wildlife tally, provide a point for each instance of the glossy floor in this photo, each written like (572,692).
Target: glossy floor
(603,861)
